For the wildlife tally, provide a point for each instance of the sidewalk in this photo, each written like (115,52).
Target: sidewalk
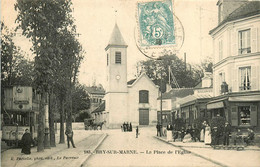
(202,145)
(85,141)
(250,156)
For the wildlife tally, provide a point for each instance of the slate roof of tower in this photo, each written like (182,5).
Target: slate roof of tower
(116,37)
(246,10)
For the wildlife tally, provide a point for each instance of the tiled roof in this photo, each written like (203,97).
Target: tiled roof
(246,10)
(100,108)
(177,92)
(199,85)
(192,98)
(131,82)
(95,90)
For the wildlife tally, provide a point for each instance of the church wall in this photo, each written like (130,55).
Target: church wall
(117,109)
(133,101)
(113,70)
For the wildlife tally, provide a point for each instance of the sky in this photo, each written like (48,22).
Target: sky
(95,20)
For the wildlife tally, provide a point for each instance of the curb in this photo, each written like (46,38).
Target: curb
(245,148)
(198,155)
(88,156)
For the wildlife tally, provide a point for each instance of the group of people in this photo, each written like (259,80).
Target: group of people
(209,135)
(127,127)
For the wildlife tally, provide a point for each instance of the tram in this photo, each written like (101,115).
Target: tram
(19,112)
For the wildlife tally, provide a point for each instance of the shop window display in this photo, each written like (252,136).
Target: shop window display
(244,112)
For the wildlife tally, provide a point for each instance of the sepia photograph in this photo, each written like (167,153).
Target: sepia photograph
(119,83)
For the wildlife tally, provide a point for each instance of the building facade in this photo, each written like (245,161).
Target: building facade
(133,101)
(236,50)
(96,95)
(195,106)
(170,105)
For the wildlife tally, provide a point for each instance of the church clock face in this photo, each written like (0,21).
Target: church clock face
(118,77)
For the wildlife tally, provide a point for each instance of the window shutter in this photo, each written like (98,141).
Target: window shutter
(254,79)
(253,115)
(234,116)
(254,40)
(236,80)
(235,43)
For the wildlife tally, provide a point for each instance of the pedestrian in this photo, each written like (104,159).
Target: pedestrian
(157,129)
(227,132)
(215,136)
(202,132)
(190,131)
(238,138)
(137,132)
(160,129)
(207,139)
(69,134)
(250,137)
(127,127)
(124,126)
(189,135)
(169,132)
(26,142)
(130,127)
(182,133)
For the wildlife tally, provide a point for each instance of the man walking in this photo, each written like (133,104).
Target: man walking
(69,134)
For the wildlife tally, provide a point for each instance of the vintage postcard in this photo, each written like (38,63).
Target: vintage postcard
(130,83)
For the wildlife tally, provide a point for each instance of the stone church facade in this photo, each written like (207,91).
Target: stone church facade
(133,101)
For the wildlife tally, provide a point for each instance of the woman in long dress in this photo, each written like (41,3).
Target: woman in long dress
(202,132)
(26,142)
(169,132)
(207,135)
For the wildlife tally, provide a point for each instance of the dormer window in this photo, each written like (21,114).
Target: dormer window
(244,42)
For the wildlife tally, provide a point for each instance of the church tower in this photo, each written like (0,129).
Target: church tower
(116,90)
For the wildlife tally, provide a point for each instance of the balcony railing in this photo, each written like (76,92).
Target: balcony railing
(243,88)
(244,50)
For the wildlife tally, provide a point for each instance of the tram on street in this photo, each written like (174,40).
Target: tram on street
(20,111)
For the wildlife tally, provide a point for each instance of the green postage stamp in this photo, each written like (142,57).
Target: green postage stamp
(156,23)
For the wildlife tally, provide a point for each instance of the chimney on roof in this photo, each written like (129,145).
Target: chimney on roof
(226,7)
(207,80)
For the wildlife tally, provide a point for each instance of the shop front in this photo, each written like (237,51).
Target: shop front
(239,109)
(192,108)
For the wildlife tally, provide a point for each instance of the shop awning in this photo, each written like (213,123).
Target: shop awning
(215,105)
(245,98)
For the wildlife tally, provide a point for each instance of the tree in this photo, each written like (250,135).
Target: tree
(42,21)
(15,69)
(66,74)
(153,68)
(80,100)
(205,66)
